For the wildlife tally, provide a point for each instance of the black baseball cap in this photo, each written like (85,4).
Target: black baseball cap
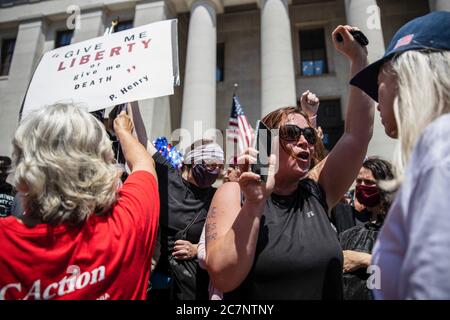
(431,31)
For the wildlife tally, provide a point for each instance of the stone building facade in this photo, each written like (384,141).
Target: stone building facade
(274,50)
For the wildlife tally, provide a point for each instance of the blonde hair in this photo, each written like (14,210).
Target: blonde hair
(64,165)
(423,95)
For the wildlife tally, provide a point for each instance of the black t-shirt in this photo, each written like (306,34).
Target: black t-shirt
(6,199)
(298,255)
(345,216)
(359,238)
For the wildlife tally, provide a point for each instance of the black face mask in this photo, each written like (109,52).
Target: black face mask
(204,177)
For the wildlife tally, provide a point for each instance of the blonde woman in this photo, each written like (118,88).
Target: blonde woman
(83,235)
(412,85)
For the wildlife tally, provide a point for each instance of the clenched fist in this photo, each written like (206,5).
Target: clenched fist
(123,122)
(310,103)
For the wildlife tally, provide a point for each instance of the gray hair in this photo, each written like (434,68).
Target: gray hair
(423,95)
(64,165)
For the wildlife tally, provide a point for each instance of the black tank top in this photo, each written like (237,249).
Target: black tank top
(298,255)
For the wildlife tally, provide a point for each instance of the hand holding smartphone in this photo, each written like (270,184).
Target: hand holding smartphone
(358,35)
(263,143)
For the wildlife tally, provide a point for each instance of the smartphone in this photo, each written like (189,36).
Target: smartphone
(263,143)
(358,35)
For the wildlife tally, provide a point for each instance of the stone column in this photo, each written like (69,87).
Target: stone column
(439,5)
(27,54)
(199,93)
(92,26)
(155,112)
(365,14)
(277,65)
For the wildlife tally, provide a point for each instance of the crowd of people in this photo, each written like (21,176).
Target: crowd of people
(73,226)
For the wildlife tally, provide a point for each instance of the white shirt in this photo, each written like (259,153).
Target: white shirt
(413,248)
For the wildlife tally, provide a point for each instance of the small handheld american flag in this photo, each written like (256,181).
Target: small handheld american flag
(240,133)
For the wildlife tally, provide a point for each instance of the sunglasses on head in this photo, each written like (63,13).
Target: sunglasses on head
(292,133)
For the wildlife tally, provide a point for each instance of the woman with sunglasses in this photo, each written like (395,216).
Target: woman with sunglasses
(274,240)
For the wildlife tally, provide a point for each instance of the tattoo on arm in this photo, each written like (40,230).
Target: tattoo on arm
(211,225)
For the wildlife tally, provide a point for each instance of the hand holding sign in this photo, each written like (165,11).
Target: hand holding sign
(123,122)
(130,65)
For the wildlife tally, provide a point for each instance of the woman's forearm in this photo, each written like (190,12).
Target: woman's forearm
(230,257)
(340,168)
(360,109)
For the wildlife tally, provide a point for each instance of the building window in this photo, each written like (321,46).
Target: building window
(63,38)
(220,68)
(313,54)
(123,25)
(7,52)
(329,118)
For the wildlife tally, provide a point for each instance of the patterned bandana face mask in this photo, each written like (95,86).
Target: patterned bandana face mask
(204,176)
(368,195)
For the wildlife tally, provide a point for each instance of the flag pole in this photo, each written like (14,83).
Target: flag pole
(235,145)
(120,107)
(115,21)
(110,30)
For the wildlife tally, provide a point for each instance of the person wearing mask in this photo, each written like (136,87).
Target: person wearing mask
(366,204)
(411,84)
(83,234)
(186,195)
(357,242)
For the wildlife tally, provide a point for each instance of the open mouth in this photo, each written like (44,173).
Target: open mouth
(303,156)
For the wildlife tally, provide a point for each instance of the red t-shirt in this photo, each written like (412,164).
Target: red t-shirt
(107,257)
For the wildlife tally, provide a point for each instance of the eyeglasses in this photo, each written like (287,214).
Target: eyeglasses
(292,133)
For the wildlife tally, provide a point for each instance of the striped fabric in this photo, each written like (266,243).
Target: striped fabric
(240,133)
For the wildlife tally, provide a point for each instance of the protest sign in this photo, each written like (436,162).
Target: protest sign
(130,65)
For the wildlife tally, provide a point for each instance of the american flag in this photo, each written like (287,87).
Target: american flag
(240,133)
(404,41)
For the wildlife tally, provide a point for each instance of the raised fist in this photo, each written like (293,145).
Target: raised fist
(310,103)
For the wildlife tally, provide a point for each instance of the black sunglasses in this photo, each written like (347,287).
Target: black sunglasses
(292,132)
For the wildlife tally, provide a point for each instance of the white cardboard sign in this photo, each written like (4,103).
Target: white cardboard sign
(130,65)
